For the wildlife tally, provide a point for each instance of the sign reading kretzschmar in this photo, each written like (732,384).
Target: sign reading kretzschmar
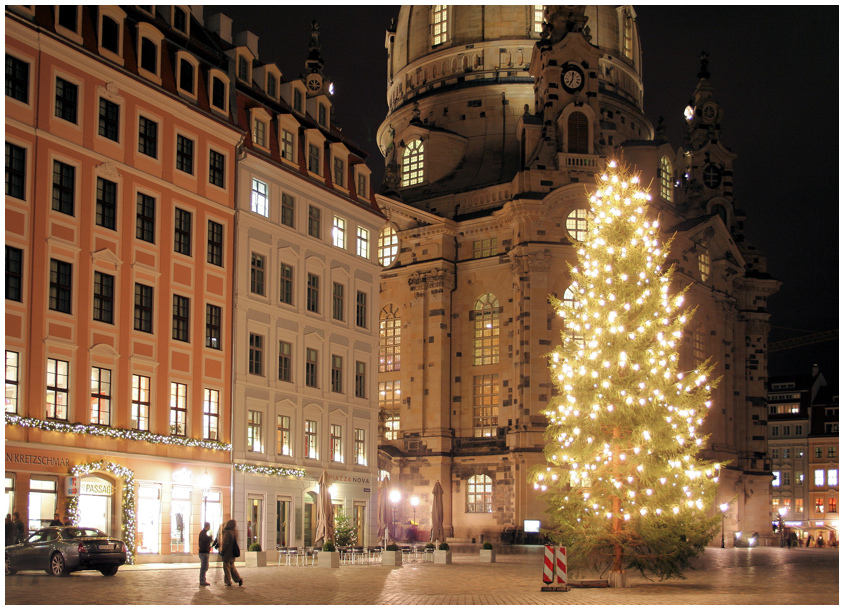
(43,460)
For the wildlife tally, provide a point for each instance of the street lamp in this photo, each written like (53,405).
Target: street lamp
(782,512)
(395,496)
(205,481)
(724,508)
(414,502)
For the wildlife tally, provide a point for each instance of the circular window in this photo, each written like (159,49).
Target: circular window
(577,224)
(388,246)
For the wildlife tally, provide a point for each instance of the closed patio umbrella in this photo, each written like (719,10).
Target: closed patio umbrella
(437,532)
(325,513)
(384,516)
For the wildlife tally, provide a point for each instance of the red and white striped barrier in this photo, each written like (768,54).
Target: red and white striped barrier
(562,567)
(548,565)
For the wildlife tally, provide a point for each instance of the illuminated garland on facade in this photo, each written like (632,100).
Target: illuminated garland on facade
(270,470)
(132,435)
(128,476)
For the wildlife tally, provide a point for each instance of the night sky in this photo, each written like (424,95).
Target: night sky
(775,72)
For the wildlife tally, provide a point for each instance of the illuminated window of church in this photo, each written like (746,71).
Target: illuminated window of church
(703,265)
(577,224)
(698,344)
(482,248)
(627,35)
(479,494)
(666,189)
(413,163)
(570,303)
(389,401)
(389,348)
(388,246)
(538,9)
(485,405)
(486,330)
(439,23)
(578,134)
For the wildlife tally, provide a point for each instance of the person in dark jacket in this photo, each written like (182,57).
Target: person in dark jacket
(11,531)
(56,521)
(227,554)
(20,528)
(204,552)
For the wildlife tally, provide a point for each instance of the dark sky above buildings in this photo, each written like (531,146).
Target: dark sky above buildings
(775,72)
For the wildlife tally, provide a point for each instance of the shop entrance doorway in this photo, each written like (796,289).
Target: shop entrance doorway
(95,504)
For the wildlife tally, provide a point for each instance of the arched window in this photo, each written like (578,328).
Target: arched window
(703,264)
(486,330)
(666,189)
(578,131)
(439,23)
(388,246)
(538,18)
(389,350)
(721,211)
(479,494)
(570,305)
(577,224)
(627,34)
(413,163)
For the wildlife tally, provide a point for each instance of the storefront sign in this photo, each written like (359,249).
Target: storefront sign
(43,460)
(71,486)
(344,478)
(96,488)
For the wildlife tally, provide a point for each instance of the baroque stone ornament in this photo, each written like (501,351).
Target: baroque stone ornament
(107,170)
(434,281)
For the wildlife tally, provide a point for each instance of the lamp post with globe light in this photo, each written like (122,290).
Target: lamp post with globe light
(724,508)
(395,496)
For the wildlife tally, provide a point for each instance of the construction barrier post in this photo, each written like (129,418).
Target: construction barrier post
(562,567)
(548,565)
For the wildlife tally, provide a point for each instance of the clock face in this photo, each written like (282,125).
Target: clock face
(314,83)
(709,112)
(572,79)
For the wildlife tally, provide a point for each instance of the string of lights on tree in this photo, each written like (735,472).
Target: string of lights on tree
(269,470)
(622,474)
(120,433)
(128,475)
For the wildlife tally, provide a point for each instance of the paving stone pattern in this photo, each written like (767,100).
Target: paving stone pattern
(725,577)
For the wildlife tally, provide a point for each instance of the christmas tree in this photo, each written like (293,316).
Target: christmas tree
(624,484)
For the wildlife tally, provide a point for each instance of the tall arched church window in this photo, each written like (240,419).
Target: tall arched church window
(388,246)
(439,23)
(538,9)
(627,34)
(578,132)
(666,188)
(485,348)
(389,349)
(413,163)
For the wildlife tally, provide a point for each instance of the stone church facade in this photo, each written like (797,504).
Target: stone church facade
(499,117)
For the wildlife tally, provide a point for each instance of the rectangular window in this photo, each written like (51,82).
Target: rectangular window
(786,477)
(67,97)
(14,274)
(61,274)
(211,415)
(254,432)
(218,93)
(798,430)
(775,453)
(818,506)
(312,302)
(832,477)
(798,477)
(256,354)
(284,437)
(103,297)
(215,243)
(259,133)
(360,446)
(242,68)
(313,159)
(106,214)
(181,318)
(337,374)
(360,379)
(287,209)
(213,326)
(68,17)
(339,172)
(363,242)
(149,55)
(389,401)
(798,506)
(178,409)
(109,125)
(12,381)
(361,310)
(184,154)
(145,221)
(314,229)
(64,182)
(338,232)
(833,505)
(831,452)
(17,79)
(186,75)
(260,197)
(818,453)
(143,308)
(140,402)
(336,440)
(786,453)
(338,302)
(180,19)
(479,494)
(362,186)
(311,363)
(311,439)
(287,145)
(217,168)
(322,114)
(15,171)
(297,100)
(256,277)
(485,247)
(485,405)
(148,137)
(284,361)
(819,477)
(271,86)
(286,286)
(182,232)
(439,23)
(57,389)
(100,396)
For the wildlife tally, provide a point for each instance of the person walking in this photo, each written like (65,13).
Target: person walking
(228,552)
(20,528)
(204,552)
(11,531)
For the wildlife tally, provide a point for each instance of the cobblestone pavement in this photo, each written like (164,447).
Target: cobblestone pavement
(725,577)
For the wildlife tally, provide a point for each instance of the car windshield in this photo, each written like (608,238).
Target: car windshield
(83,532)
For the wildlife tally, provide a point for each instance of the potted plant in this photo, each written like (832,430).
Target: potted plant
(487,553)
(443,554)
(329,556)
(391,555)
(255,557)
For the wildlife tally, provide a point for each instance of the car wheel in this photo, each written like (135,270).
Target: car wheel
(9,569)
(109,571)
(57,565)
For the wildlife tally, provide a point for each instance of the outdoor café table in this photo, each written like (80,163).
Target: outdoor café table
(374,552)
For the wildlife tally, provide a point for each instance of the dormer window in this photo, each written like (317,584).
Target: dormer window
(150,45)
(219,90)
(260,120)
(297,100)
(187,67)
(111,32)
(313,158)
(149,55)
(259,133)
(243,69)
(288,128)
(68,17)
(323,112)
(180,20)
(271,86)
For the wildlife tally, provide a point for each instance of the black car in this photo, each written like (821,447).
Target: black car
(62,550)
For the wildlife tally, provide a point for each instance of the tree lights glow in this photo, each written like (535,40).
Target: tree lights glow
(623,482)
